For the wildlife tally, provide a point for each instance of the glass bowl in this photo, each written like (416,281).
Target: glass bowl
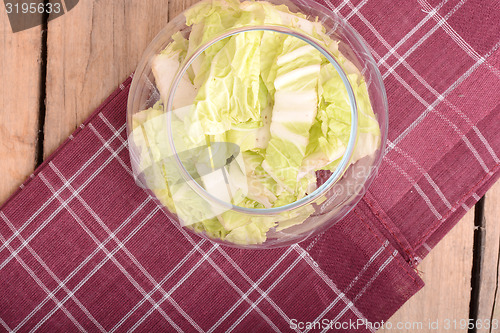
(210,188)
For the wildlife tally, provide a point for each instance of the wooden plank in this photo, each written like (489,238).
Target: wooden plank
(19,104)
(178,6)
(489,297)
(446,272)
(91,50)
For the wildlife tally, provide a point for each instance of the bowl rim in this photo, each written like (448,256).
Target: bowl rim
(361,47)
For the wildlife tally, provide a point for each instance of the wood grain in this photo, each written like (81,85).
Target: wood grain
(19,104)
(91,50)
(446,272)
(178,6)
(489,305)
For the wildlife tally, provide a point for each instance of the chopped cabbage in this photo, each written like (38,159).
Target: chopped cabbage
(274,96)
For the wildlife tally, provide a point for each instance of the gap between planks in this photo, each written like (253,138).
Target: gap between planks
(477,258)
(39,148)
(488,296)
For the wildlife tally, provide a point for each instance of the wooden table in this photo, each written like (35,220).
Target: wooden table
(85,54)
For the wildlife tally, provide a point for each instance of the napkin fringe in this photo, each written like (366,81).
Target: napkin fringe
(387,227)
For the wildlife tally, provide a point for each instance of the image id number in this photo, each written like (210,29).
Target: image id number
(33,8)
(471,324)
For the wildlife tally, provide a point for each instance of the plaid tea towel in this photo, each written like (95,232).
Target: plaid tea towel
(83,248)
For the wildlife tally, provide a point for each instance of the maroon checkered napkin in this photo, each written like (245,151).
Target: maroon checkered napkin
(84,248)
